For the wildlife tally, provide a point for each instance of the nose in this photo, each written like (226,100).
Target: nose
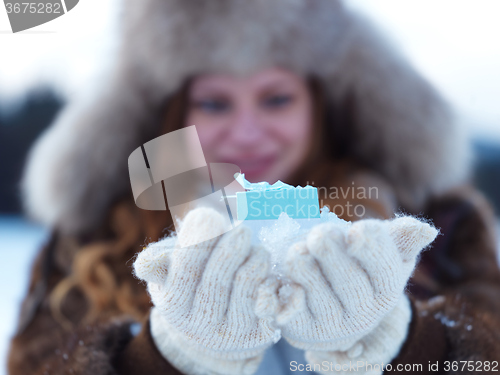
(247,130)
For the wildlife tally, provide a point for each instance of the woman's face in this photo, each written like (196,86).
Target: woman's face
(262,122)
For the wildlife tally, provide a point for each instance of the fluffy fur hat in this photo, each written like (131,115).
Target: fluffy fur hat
(403,128)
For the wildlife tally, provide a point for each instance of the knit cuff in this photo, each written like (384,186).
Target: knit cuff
(187,357)
(372,353)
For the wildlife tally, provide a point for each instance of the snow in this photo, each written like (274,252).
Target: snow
(278,235)
(445,320)
(20,241)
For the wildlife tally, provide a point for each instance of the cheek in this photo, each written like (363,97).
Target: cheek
(294,131)
(299,133)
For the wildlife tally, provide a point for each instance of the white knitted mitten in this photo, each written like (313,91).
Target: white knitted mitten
(371,354)
(214,312)
(348,289)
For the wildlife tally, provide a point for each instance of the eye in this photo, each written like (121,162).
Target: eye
(212,105)
(277,101)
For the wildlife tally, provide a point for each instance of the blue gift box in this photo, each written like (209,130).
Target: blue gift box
(263,201)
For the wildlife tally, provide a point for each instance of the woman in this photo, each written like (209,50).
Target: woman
(302,91)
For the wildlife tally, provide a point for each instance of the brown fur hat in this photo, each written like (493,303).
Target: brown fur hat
(402,127)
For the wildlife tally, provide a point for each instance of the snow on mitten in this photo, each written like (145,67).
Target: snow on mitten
(206,296)
(349,289)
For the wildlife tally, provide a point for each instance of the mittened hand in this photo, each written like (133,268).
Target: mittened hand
(216,306)
(206,294)
(346,280)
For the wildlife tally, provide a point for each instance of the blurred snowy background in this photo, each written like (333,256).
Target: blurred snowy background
(454,43)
